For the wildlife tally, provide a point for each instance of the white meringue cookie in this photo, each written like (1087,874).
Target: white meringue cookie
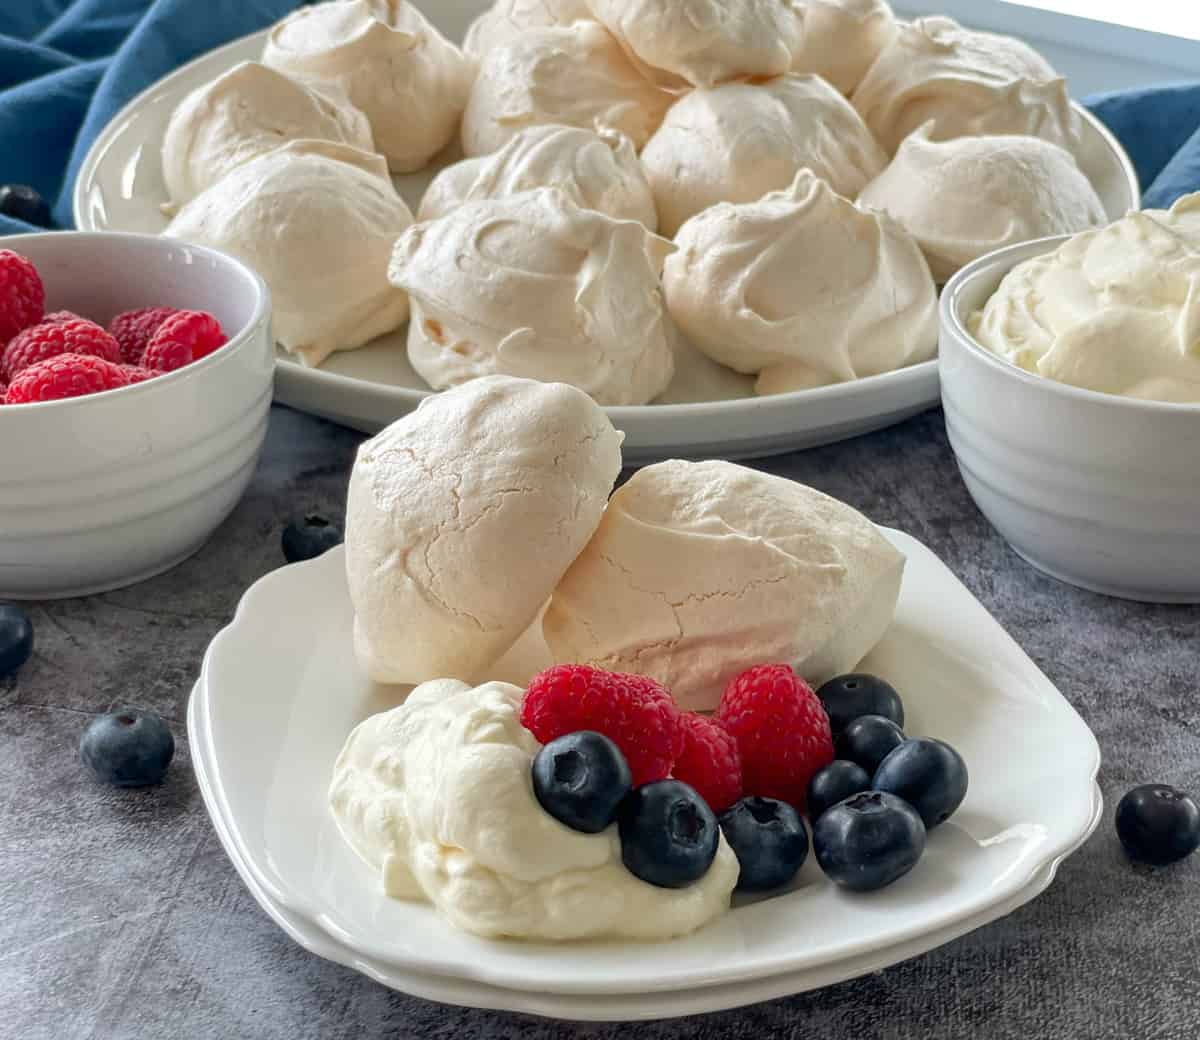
(318,221)
(968,196)
(462,517)
(595,171)
(802,288)
(411,81)
(738,141)
(575,76)
(842,38)
(700,570)
(507,20)
(681,43)
(967,83)
(244,113)
(534,286)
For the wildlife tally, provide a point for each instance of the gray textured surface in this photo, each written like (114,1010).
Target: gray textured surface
(120,916)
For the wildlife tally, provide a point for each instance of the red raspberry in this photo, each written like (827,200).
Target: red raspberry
(133,329)
(64,375)
(22,296)
(137,374)
(709,761)
(633,711)
(185,334)
(48,340)
(58,317)
(781,730)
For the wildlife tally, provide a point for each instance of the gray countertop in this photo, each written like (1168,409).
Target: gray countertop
(120,916)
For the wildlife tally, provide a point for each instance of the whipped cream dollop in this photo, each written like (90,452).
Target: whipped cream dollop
(410,81)
(507,20)
(968,196)
(700,570)
(436,796)
(574,75)
(802,288)
(318,221)
(597,171)
(684,43)
(1115,310)
(738,141)
(840,39)
(535,286)
(462,517)
(244,113)
(966,83)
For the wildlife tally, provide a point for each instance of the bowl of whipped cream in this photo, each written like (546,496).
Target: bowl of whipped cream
(1070,373)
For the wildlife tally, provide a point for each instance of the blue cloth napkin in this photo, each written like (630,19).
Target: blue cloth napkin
(67,66)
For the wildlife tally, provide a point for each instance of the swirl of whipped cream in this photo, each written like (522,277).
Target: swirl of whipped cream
(534,286)
(738,141)
(842,38)
(507,20)
(595,171)
(968,196)
(245,113)
(436,796)
(967,83)
(700,43)
(802,288)
(318,221)
(1115,310)
(410,81)
(573,75)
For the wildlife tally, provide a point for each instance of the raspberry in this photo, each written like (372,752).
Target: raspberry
(781,730)
(133,329)
(64,375)
(190,334)
(633,711)
(22,296)
(49,340)
(137,374)
(709,761)
(58,317)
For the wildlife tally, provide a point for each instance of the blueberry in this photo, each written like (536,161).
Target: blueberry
(928,774)
(769,840)
(868,841)
(309,538)
(835,783)
(129,748)
(849,696)
(868,740)
(669,835)
(21,202)
(1158,824)
(580,779)
(16,638)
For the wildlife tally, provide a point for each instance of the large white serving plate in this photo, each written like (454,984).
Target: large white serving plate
(282,690)
(120,187)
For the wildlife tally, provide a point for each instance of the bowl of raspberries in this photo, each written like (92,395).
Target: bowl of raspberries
(135,384)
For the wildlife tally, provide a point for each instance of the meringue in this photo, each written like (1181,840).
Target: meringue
(575,75)
(842,38)
(534,286)
(682,43)
(1113,310)
(967,83)
(245,113)
(507,20)
(595,171)
(462,517)
(968,196)
(411,81)
(803,288)
(436,797)
(699,571)
(738,141)
(318,221)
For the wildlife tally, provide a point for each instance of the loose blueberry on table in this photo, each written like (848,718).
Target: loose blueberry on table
(928,774)
(129,748)
(848,697)
(1158,824)
(835,783)
(868,740)
(669,835)
(16,638)
(868,841)
(580,779)
(310,537)
(21,202)
(770,842)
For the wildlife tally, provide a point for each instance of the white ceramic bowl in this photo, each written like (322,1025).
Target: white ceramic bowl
(103,491)
(1098,490)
